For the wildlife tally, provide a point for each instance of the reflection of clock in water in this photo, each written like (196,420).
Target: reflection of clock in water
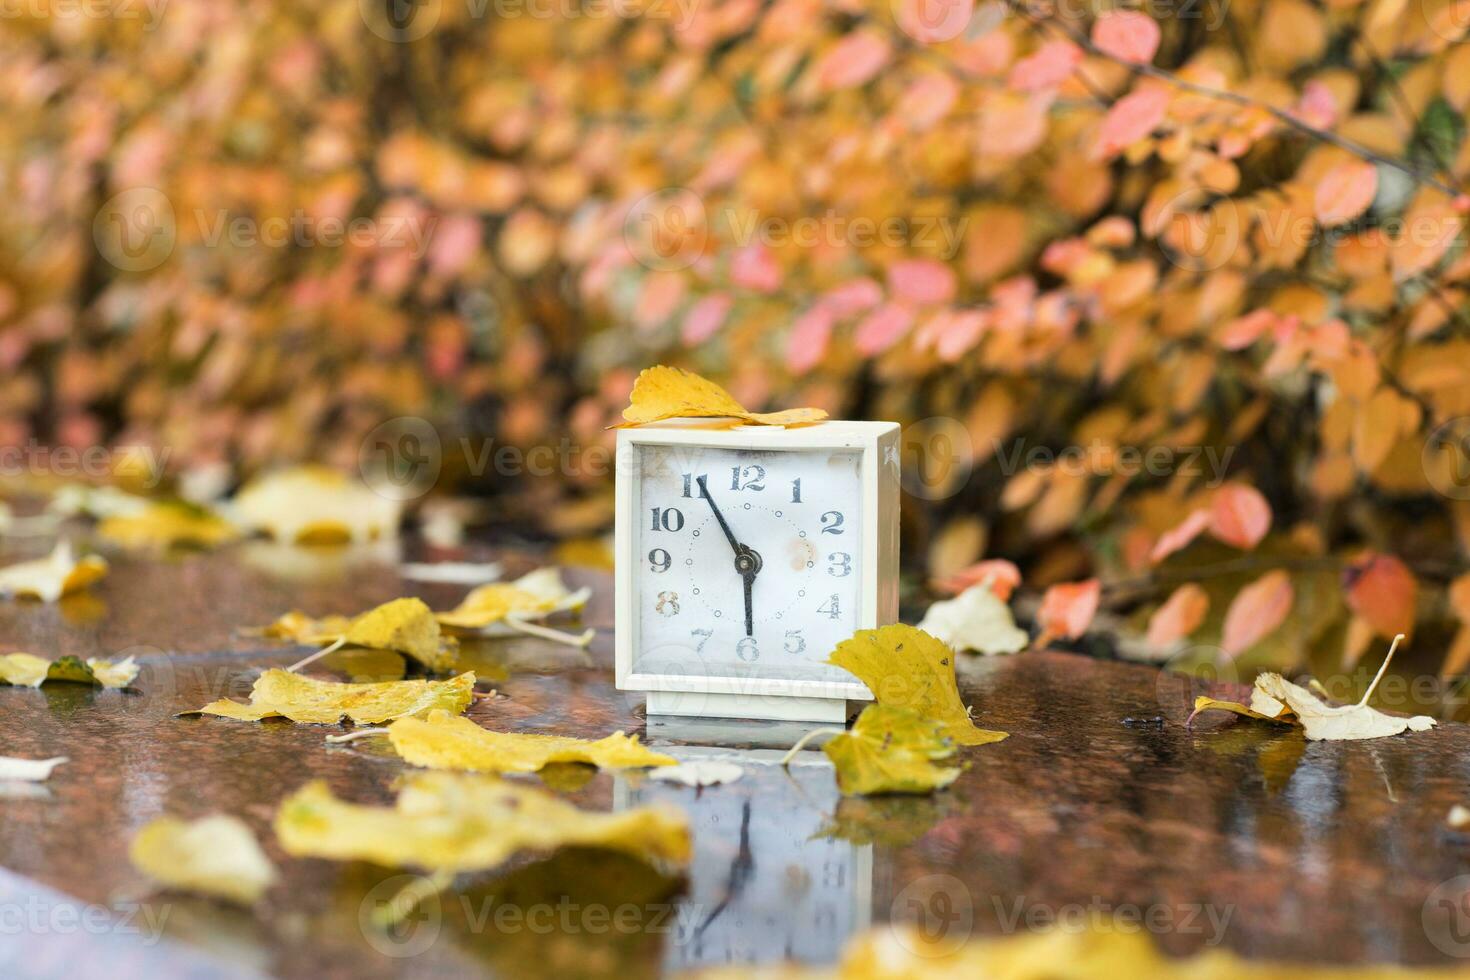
(764,883)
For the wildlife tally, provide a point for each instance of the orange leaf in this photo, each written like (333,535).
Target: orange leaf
(1004,576)
(1257,610)
(853,61)
(1051,65)
(1239,516)
(1345,192)
(1382,590)
(1127,35)
(1179,616)
(921,281)
(1067,610)
(1131,119)
(1179,537)
(1460,598)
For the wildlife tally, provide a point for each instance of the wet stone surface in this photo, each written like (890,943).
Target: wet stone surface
(1238,833)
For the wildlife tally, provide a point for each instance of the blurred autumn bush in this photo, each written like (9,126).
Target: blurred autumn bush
(1179,287)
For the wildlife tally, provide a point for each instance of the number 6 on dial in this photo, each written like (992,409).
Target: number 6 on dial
(744,556)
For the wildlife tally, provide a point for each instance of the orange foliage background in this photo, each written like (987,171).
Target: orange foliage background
(1186,278)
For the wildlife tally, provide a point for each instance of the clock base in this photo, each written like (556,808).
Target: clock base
(769,708)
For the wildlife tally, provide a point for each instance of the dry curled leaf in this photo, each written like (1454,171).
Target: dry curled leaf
(52,577)
(315,505)
(29,670)
(906,667)
(216,855)
(975,620)
(446,823)
(27,770)
(672,393)
(161,526)
(282,694)
(443,741)
(504,608)
(405,626)
(892,750)
(1274,698)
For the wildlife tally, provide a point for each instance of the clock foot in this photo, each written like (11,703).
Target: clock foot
(696,705)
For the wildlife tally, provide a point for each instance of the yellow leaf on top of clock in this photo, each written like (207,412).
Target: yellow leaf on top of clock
(215,855)
(168,525)
(315,505)
(671,393)
(443,741)
(533,596)
(445,823)
(282,694)
(891,750)
(908,668)
(29,670)
(52,577)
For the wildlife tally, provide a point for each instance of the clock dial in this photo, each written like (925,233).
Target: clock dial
(749,561)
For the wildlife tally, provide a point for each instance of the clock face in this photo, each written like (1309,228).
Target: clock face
(749,562)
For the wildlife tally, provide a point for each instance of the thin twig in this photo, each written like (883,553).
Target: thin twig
(801,742)
(335,646)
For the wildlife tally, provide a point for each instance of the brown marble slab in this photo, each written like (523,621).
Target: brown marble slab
(1236,833)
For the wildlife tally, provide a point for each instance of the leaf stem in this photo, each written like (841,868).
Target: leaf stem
(801,742)
(1379,676)
(354,736)
(547,633)
(331,648)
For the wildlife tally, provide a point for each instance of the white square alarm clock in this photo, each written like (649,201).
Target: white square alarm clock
(744,556)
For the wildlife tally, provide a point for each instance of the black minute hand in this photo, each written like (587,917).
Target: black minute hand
(747,560)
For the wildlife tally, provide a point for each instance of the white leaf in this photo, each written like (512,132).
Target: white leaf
(975,620)
(700,772)
(28,770)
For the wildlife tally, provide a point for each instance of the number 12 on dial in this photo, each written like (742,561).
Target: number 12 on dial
(745,556)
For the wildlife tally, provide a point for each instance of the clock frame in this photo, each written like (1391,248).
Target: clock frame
(752,695)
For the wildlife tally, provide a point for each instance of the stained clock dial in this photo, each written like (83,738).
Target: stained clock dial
(749,561)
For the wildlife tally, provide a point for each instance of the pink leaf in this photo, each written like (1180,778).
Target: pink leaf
(927,101)
(1051,65)
(807,343)
(705,318)
(1383,592)
(1256,612)
(1127,35)
(882,328)
(1317,106)
(853,61)
(1179,616)
(1345,192)
(1243,331)
(1067,610)
(921,281)
(851,297)
(959,333)
(1180,536)
(1003,576)
(1131,119)
(754,268)
(1239,516)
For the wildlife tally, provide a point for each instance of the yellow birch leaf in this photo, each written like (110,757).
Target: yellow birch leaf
(282,694)
(672,393)
(906,667)
(533,596)
(891,750)
(168,525)
(442,741)
(301,628)
(405,626)
(316,505)
(29,670)
(52,577)
(215,855)
(451,822)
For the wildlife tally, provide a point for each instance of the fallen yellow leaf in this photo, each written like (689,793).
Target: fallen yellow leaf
(405,626)
(168,525)
(446,823)
(315,505)
(216,856)
(29,670)
(506,608)
(442,741)
(891,750)
(52,577)
(282,694)
(908,668)
(1274,698)
(668,393)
